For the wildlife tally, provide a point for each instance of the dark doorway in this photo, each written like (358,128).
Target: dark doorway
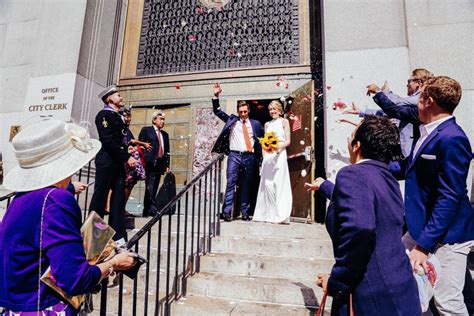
(259,110)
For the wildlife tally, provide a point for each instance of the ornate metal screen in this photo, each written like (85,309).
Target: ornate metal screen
(182,36)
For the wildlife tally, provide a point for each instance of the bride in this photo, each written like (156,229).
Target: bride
(274,199)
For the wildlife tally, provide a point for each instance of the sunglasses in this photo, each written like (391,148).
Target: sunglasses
(414,80)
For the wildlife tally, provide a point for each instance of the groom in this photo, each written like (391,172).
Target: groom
(238,140)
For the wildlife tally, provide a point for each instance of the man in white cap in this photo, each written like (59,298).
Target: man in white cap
(157,160)
(110,161)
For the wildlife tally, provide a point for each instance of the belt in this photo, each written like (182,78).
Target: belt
(242,153)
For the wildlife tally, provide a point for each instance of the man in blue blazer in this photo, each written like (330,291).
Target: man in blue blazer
(239,141)
(364,221)
(157,160)
(439,216)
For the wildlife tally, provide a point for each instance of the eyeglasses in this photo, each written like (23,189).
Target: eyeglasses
(414,80)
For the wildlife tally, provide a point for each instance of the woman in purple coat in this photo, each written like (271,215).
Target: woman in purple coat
(365,220)
(41,227)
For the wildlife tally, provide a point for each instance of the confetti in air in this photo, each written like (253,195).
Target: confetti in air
(191,38)
(177,86)
(301,142)
(339,105)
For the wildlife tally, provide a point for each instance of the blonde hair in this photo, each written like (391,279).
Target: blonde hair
(277,105)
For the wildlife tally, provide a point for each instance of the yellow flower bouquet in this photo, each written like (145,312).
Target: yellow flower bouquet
(269,142)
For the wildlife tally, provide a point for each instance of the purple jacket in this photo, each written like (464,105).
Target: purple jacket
(62,250)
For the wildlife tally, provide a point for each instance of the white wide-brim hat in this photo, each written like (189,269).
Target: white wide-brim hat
(49,151)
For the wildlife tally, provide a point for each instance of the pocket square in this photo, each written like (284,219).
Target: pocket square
(428,157)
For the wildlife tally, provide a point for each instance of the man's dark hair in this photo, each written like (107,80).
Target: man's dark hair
(379,139)
(445,91)
(241,104)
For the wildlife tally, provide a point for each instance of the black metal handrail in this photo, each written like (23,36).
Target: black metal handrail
(196,222)
(196,218)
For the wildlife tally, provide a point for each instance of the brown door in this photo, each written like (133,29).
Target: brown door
(300,152)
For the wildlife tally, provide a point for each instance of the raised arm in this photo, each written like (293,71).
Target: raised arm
(216,108)
(404,112)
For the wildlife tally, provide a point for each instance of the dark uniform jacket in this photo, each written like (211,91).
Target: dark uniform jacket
(112,131)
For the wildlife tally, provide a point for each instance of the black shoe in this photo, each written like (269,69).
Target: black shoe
(225,217)
(246,218)
(128,214)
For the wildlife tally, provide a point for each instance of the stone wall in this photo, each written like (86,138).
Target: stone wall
(373,41)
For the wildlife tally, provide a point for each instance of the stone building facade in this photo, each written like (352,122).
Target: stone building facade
(167,55)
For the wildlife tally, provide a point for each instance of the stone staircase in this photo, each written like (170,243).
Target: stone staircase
(252,269)
(259,269)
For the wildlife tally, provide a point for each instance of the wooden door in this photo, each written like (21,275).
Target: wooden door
(300,114)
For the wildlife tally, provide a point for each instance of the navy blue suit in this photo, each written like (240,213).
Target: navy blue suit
(241,167)
(365,220)
(437,206)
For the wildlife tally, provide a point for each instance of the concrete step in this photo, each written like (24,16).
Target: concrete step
(242,228)
(259,289)
(205,306)
(266,266)
(269,246)
(203,224)
(293,230)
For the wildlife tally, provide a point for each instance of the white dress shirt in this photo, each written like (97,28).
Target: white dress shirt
(236,141)
(426,130)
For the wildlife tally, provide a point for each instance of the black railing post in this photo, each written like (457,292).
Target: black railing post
(103,297)
(176,268)
(120,293)
(198,248)
(184,276)
(205,216)
(208,243)
(135,285)
(219,195)
(158,269)
(168,267)
(192,229)
(147,271)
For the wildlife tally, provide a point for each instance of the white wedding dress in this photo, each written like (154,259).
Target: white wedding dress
(274,199)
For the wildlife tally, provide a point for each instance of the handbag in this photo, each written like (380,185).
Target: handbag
(322,305)
(166,193)
(98,245)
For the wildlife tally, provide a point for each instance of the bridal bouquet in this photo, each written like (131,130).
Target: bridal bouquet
(269,142)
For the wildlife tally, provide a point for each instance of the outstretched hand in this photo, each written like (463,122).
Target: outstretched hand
(372,89)
(217,89)
(315,185)
(353,110)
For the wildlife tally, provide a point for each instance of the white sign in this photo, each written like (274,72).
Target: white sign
(50,96)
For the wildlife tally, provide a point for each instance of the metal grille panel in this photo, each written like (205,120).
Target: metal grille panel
(179,36)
